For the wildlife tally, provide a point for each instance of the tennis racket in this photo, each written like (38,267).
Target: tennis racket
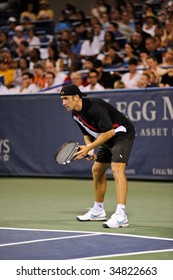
(65,153)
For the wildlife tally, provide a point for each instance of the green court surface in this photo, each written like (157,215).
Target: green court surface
(53,203)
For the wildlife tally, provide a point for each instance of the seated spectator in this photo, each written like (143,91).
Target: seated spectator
(11,25)
(80,30)
(27,85)
(50,82)
(150,23)
(75,44)
(154,67)
(39,75)
(105,78)
(167,36)
(125,25)
(4,40)
(60,76)
(67,58)
(32,39)
(90,47)
(167,58)
(19,36)
(144,80)
(99,33)
(34,57)
(167,79)
(45,13)
(109,41)
(119,84)
(151,48)
(23,66)
(129,52)
(7,72)
(93,82)
(112,58)
(130,79)
(23,49)
(77,79)
(29,13)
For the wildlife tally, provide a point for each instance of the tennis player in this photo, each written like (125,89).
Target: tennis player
(104,127)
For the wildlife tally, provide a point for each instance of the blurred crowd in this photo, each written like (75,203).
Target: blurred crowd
(128,44)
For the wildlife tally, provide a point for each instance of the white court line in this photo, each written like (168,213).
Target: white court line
(91,232)
(88,234)
(126,254)
(45,240)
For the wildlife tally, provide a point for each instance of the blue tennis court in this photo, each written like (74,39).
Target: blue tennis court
(28,244)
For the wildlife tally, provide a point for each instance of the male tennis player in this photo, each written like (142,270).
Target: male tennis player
(104,127)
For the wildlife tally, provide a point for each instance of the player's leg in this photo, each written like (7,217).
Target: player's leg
(97,212)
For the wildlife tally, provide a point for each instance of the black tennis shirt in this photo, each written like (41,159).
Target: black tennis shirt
(97,116)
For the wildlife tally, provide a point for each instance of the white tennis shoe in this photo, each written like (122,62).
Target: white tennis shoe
(93,215)
(117,220)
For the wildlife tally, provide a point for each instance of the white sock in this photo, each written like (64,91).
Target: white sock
(121,209)
(98,206)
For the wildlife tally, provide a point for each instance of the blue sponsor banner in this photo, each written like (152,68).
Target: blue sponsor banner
(32,127)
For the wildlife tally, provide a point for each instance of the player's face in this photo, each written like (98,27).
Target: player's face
(69,102)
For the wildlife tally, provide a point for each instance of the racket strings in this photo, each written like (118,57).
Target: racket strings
(66,153)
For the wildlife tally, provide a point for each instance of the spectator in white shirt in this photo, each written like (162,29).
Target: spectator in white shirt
(93,77)
(130,79)
(91,46)
(28,85)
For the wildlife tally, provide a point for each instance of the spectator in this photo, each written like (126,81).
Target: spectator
(144,80)
(75,44)
(11,25)
(39,75)
(130,79)
(28,85)
(168,58)
(34,56)
(90,47)
(19,35)
(60,76)
(104,78)
(119,84)
(29,13)
(150,23)
(125,25)
(129,52)
(23,66)
(66,56)
(93,85)
(150,45)
(77,79)
(4,40)
(33,40)
(50,82)
(7,72)
(80,30)
(109,41)
(112,58)
(105,21)
(138,43)
(155,68)
(45,13)
(23,49)
(167,37)
(167,79)
(99,33)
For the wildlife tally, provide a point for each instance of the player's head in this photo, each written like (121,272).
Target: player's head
(71,90)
